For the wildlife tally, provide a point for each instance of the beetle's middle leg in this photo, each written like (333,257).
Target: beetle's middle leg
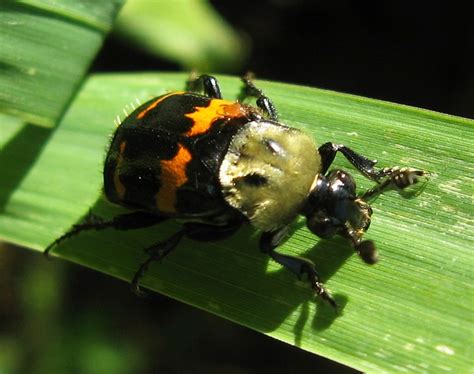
(195,231)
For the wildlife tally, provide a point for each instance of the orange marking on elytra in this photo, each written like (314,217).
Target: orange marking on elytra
(119,187)
(154,104)
(203,117)
(173,175)
(122,147)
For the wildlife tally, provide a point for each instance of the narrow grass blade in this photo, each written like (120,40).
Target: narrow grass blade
(412,312)
(189,32)
(46,47)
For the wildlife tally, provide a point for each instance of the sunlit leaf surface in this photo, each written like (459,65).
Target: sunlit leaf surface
(46,47)
(412,312)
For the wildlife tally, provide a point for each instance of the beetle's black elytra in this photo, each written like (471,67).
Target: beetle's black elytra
(218,164)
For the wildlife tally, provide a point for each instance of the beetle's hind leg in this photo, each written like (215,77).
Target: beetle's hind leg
(263,101)
(206,83)
(128,221)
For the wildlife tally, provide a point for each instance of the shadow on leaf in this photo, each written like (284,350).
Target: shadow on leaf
(229,277)
(17,157)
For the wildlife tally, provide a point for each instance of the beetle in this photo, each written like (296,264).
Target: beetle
(217,164)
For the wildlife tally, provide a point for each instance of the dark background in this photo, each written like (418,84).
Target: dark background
(416,53)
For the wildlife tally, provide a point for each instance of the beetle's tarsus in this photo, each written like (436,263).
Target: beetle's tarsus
(262,101)
(318,287)
(397,177)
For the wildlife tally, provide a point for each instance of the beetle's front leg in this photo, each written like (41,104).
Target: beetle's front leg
(386,177)
(394,176)
(298,265)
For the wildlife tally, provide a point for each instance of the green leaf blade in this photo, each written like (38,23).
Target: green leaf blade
(188,32)
(412,312)
(46,50)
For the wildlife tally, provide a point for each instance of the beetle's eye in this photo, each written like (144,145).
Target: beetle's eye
(322,226)
(342,185)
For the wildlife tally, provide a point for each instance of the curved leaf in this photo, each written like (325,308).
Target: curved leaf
(411,312)
(189,32)
(46,48)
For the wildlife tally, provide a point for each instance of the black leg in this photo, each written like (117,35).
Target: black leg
(206,83)
(156,252)
(208,233)
(195,231)
(395,176)
(263,101)
(129,221)
(328,152)
(298,265)
(269,240)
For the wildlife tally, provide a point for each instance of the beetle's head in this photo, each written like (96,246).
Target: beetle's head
(333,208)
